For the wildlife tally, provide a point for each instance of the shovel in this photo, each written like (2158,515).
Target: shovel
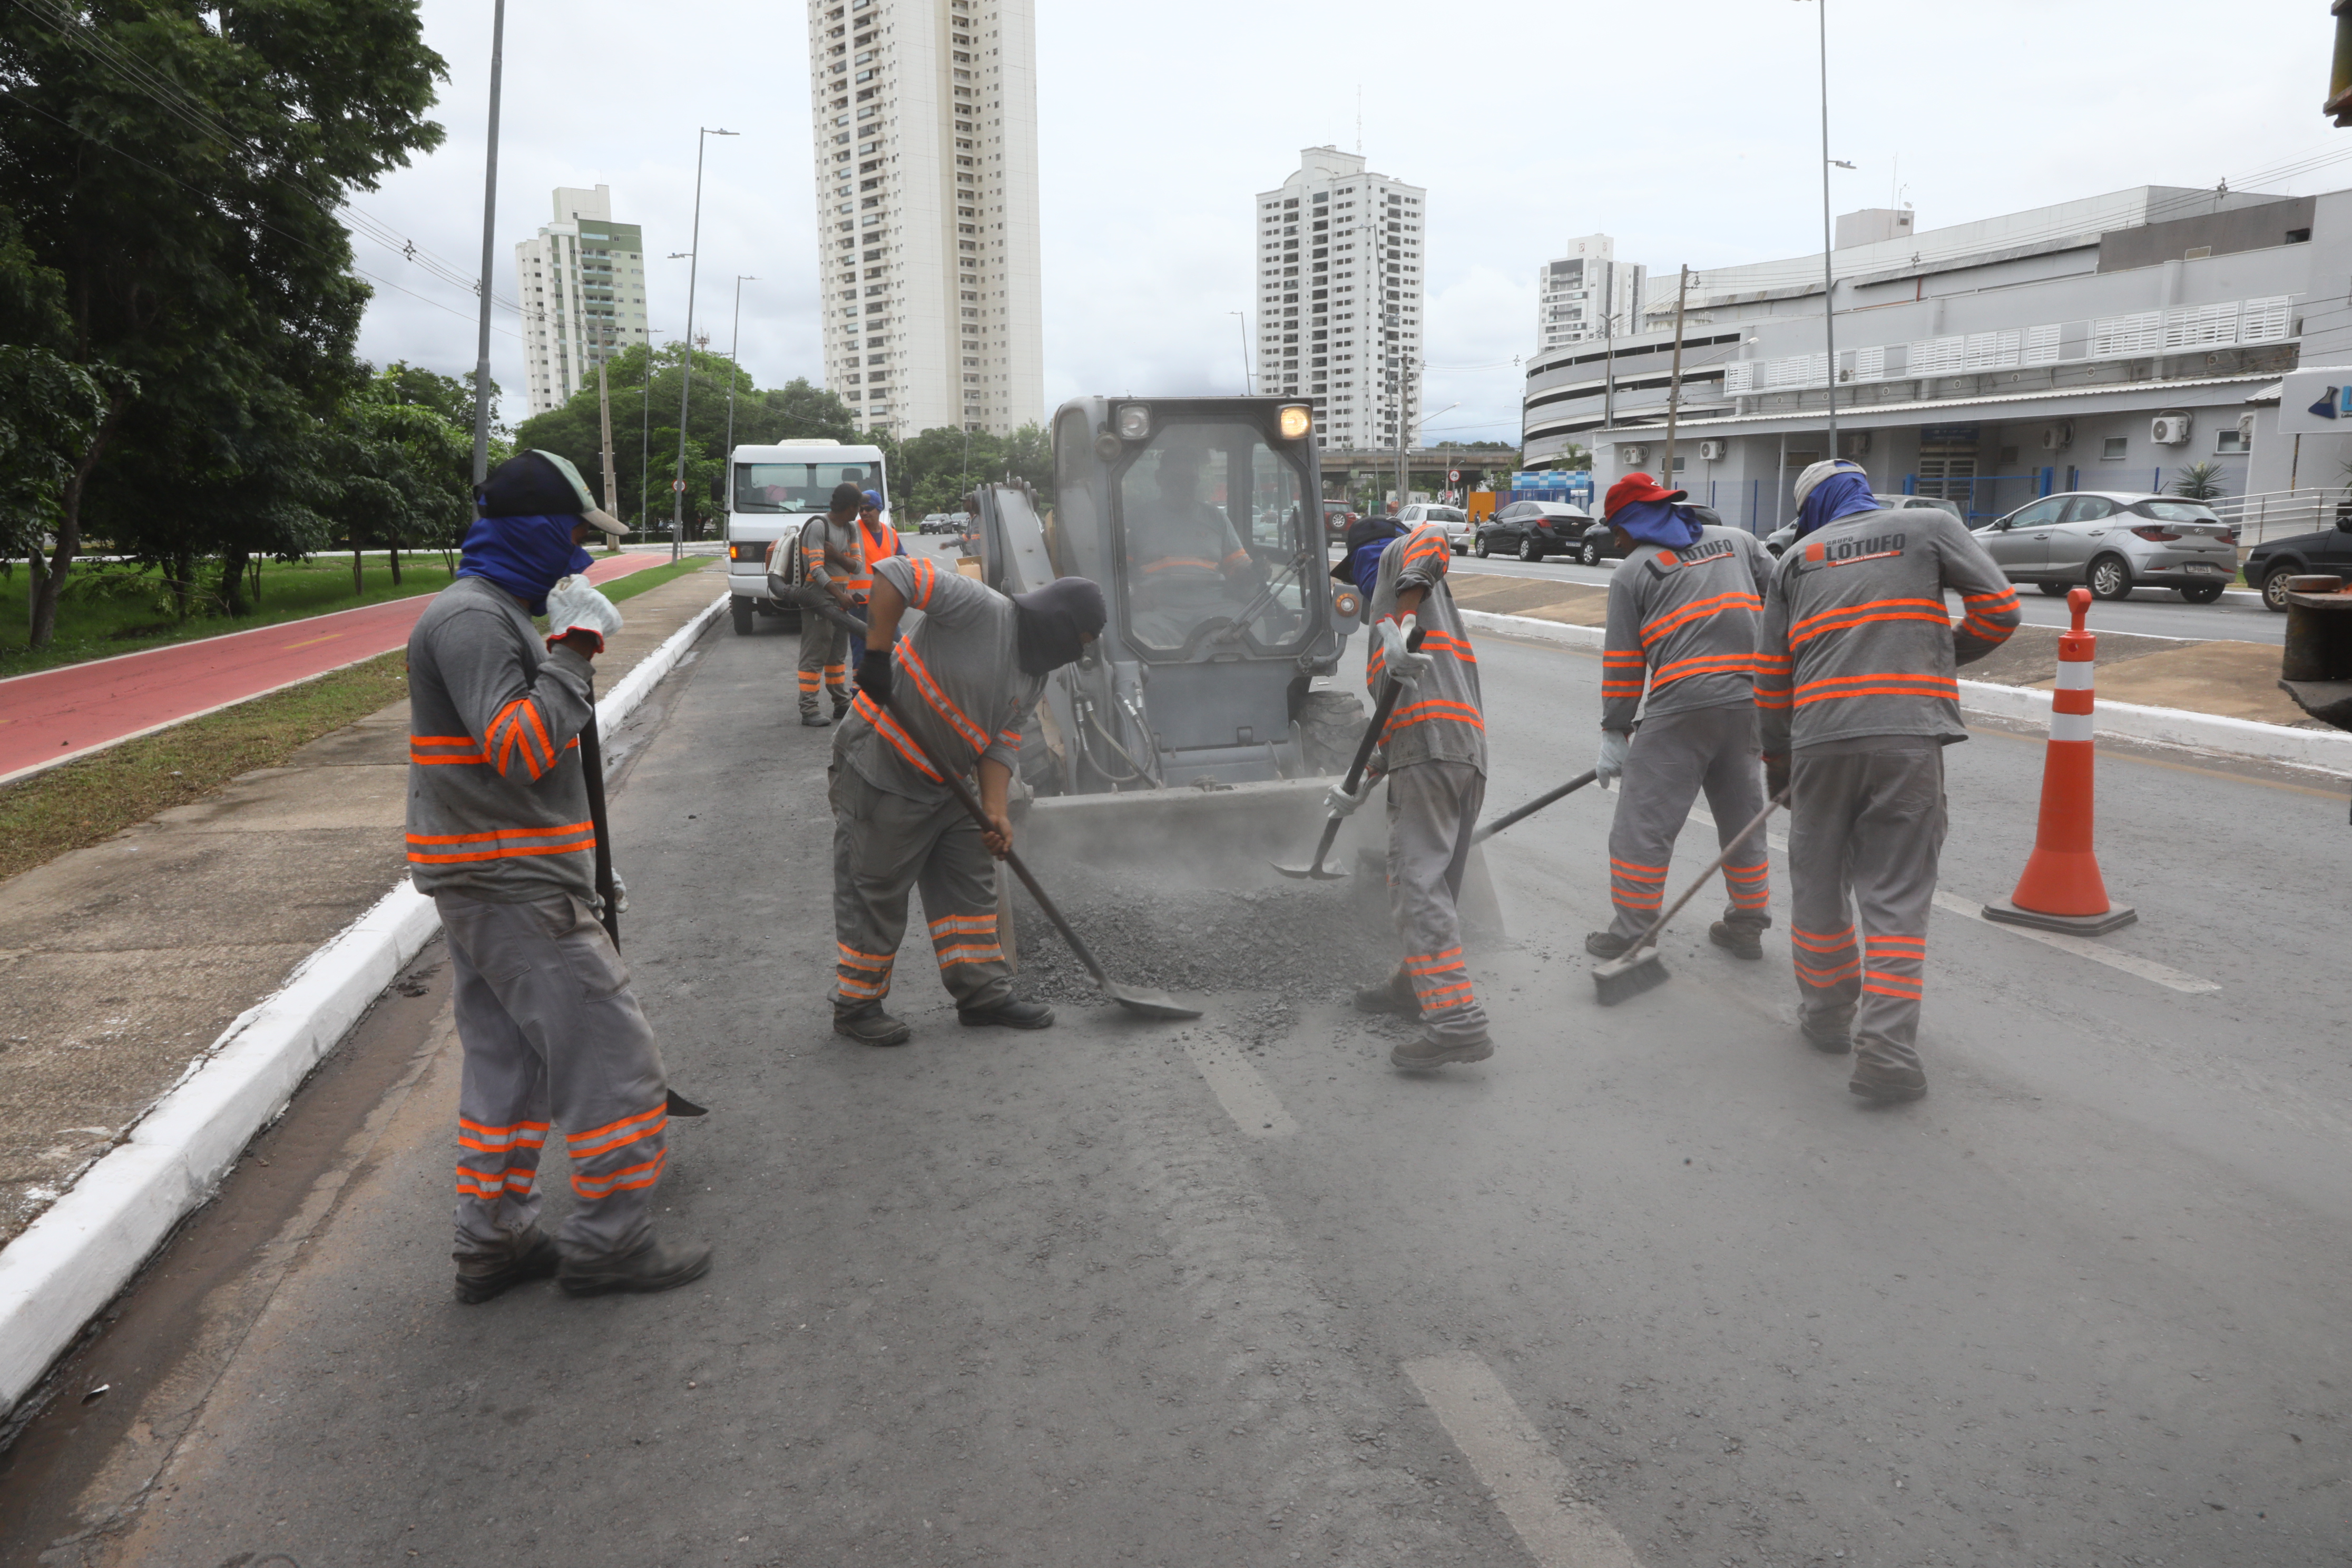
(591,770)
(1639,968)
(1489,829)
(1390,691)
(1150,1003)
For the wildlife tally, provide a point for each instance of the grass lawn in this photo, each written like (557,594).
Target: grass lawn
(111,608)
(79,803)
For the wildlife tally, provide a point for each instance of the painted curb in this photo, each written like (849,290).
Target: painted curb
(69,1262)
(2326,751)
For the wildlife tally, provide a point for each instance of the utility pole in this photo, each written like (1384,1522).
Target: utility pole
(612,486)
(1674,382)
(1249,382)
(489,227)
(693,266)
(1829,274)
(1404,433)
(733,343)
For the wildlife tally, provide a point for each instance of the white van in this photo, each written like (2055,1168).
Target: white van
(775,492)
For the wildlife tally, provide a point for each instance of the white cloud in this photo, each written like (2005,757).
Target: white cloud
(1688,129)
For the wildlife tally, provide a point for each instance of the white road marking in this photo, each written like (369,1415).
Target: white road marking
(1241,1088)
(1530,1484)
(2080,946)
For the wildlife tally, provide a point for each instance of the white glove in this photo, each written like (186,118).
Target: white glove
(1342,803)
(1614,744)
(620,894)
(574,604)
(1402,665)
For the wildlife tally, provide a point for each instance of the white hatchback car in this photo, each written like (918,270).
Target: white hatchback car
(1449,520)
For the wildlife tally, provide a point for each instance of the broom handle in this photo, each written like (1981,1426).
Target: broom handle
(1545,799)
(1391,689)
(591,772)
(1650,937)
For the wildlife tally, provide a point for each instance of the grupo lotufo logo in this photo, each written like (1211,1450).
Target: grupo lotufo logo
(1851,551)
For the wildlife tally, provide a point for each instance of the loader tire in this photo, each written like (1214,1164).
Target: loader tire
(1330,725)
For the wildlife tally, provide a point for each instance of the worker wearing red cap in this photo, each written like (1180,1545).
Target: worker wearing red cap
(1855,686)
(1683,613)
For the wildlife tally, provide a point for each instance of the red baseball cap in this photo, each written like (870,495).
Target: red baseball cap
(1638,488)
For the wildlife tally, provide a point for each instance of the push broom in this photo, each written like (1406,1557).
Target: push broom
(1639,968)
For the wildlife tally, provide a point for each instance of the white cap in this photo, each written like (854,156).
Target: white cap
(1819,471)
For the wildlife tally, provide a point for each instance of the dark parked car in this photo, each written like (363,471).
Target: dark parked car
(1532,530)
(2270,563)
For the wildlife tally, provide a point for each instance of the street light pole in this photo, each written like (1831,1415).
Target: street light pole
(489,229)
(733,343)
(1249,383)
(1829,274)
(693,266)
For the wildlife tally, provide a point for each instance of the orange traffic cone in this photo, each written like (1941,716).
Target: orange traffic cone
(2062,888)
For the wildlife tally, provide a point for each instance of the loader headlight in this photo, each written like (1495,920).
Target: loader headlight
(1294,422)
(1134,422)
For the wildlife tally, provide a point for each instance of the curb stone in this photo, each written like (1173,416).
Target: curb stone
(2326,751)
(68,1263)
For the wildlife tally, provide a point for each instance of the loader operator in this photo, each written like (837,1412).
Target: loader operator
(837,554)
(499,836)
(1186,564)
(1854,682)
(1682,612)
(1433,753)
(967,677)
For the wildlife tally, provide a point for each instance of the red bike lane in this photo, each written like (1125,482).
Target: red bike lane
(54,715)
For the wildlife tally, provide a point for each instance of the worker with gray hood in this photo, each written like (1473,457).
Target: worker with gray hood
(501,839)
(964,682)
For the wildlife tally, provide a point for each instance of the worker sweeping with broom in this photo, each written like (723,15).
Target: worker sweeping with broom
(1858,699)
(1433,753)
(1683,613)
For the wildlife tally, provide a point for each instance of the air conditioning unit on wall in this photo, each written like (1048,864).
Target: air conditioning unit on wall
(1633,456)
(2245,432)
(2059,437)
(2169,429)
(1712,451)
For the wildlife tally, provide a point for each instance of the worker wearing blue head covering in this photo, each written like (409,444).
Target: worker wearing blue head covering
(1828,492)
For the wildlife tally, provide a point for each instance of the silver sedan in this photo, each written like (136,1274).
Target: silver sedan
(2115,541)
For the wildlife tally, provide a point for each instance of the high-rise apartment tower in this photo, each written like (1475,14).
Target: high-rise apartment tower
(926,129)
(1339,298)
(582,283)
(1588,293)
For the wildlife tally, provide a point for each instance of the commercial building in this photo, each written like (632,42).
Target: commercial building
(925,136)
(1339,254)
(1588,293)
(2105,343)
(582,284)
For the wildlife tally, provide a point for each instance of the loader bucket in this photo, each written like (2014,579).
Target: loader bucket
(1209,833)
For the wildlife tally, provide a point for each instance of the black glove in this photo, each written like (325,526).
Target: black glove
(874,679)
(1776,776)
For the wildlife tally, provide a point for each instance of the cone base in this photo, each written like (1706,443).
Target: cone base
(2116,916)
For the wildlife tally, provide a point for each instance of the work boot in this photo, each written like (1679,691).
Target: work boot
(1740,940)
(1426,1051)
(1394,995)
(1607,945)
(1878,1077)
(1831,1038)
(1013,1013)
(482,1275)
(814,720)
(656,1266)
(872,1026)
(840,708)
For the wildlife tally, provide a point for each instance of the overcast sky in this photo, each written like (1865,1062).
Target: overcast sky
(1688,129)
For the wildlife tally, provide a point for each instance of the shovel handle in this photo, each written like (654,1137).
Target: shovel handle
(1391,689)
(1500,823)
(1650,937)
(591,771)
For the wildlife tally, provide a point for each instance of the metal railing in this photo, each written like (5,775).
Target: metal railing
(2275,515)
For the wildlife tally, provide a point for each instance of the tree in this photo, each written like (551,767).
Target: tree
(2198,481)
(181,170)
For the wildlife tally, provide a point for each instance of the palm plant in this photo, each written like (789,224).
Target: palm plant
(2198,481)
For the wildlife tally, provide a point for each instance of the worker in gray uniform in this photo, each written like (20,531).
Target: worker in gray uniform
(1434,755)
(1682,612)
(500,837)
(1855,686)
(834,560)
(965,679)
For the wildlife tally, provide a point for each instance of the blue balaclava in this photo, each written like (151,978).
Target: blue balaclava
(1658,523)
(521,541)
(1828,492)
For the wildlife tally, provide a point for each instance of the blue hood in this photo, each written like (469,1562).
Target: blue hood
(1839,495)
(524,555)
(1658,523)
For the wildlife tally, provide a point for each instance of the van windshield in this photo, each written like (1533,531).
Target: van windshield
(799,486)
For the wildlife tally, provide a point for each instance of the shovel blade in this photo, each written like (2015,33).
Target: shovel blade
(1319,872)
(1628,975)
(1150,1003)
(681,1106)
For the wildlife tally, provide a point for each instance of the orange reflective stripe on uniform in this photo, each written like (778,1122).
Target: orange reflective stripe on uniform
(1439,981)
(1437,642)
(616,1134)
(1847,616)
(644,1175)
(1705,664)
(1698,610)
(941,703)
(1889,683)
(513,1182)
(898,739)
(1179,563)
(926,574)
(501,1140)
(1633,886)
(434,849)
(1751,885)
(1886,956)
(1435,709)
(966,939)
(865,976)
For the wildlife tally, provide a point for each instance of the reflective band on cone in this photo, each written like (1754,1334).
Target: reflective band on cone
(2062,888)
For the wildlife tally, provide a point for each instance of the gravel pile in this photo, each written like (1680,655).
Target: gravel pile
(1310,942)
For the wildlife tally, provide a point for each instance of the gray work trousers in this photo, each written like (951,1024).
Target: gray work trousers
(1866,822)
(885,845)
(1433,810)
(823,649)
(553,1037)
(1673,758)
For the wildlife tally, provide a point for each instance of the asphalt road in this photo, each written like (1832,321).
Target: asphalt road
(1647,1287)
(2239,616)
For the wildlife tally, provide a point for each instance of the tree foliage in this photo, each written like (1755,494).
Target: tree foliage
(179,170)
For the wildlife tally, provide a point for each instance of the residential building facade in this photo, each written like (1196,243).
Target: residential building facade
(2106,343)
(1587,293)
(581,283)
(1340,278)
(926,140)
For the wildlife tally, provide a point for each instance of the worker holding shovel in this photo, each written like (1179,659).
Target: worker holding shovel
(1433,753)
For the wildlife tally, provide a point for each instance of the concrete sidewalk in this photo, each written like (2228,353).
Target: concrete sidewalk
(121,963)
